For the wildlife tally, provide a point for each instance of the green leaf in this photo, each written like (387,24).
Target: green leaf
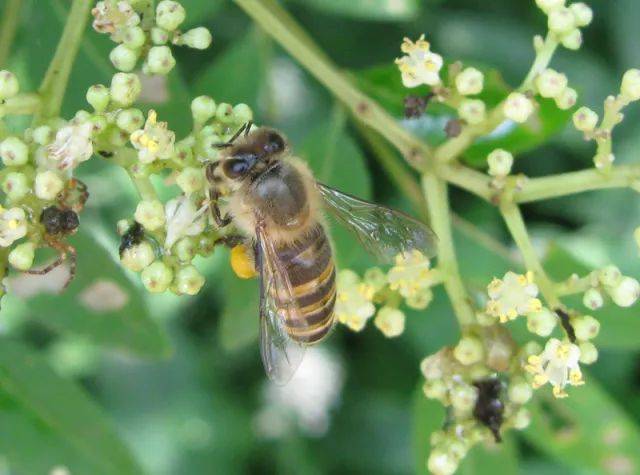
(198,11)
(587,430)
(46,421)
(238,327)
(117,318)
(428,417)
(380,10)
(484,459)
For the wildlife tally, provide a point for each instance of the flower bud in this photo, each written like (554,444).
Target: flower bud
(572,40)
(518,107)
(123,58)
(419,300)
(159,36)
(203,108)
(242,113)
(485,319)
(150,214)
(224,113)
(125,88)
(521,419)
(469,82)
(16,186)
(14,152)
(435,389)
(592,299)
(138,256)
(473,111)
(630,88)
(541,323)
(585,120)
(390,321)
(197,38)
(609,276)
(122,226)
(442,463)
(21,257)
(47,185)
(500,162)
(185,249)
(157,277)
(209,147)
(130,120)
(463,397)
(190,180)
(9,85)
(588,352)
(582,13)
(586,327)
(561,21)
(567,99)
(550,83)
(549,5)
(98,97)
(189,281)
(603,160)
(169,15)
(469,350)
(625,292)
(520,391)
(43,135)
(160,60)
(134,37)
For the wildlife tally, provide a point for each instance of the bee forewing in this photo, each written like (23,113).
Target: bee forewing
(382,231)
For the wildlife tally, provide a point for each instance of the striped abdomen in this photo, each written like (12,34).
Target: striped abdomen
(309,265)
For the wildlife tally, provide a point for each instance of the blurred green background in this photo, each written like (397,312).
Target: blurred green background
(168,385)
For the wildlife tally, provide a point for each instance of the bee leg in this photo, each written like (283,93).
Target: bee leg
(247,127)
(230,241)
(221,221)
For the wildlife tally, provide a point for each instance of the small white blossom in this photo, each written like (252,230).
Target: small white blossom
(585,119)
(550,83)
(72,145)
(512,296)
(154,141)
(114,17)
(558,365)
(411,275)
(353,302)
(518,107)
(586,327)
(13,225)
(470,82)
(419,65)
(567,99)
(572,40)
(626,292)
(500,162)
(390,321)
(631,85)
(588,352)
(473,111)
(561,20)
(593,299)
(582,13)
(549,5)
(183,219)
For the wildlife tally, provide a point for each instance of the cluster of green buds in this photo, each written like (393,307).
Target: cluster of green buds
(381,294)
(144,33)
(564,21)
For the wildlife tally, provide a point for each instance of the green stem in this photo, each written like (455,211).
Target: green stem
(436,193)
(8,28)
(574,285)
(143,185)
(22,104)
(513,218)
(56,78)
(468,179)
(277,23)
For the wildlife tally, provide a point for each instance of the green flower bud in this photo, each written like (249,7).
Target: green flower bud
(567,99)
(390,321)
(189,281)
(160,60)
(572,40)
(125,88)
(441,462)
(98,97)
(150,214)
(16,186)
(130,120)
(435,389)
(185,249)
(586,327)
(561,21)
(242,113)
(82,116)
(124,58)
(625,292)
(9,85)
(99,123)
(630,88)
(420,300)
(138,257)
(159,36)
(21,257)
(47,185)
(609,276)
(582,13)
(134,37)
(469,350)
(117,137)
(205,245)
(190,180)
(473,111)
(203,108)
(520,391)
(224,113)
(208,147)
(585,119)
(521,419)
(551,83)
(43,135)
(541,323)
(588,352)
(14,152)
(197,38)
(122,226)
(463,398)
(500,162)
(183,150)
(157,277)
(593,299)
(169,15)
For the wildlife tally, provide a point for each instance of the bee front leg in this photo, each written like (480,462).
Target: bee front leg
(230,241)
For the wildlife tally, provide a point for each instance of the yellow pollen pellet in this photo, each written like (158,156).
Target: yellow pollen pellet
(241,263)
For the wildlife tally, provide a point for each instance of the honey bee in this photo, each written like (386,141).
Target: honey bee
(277,206)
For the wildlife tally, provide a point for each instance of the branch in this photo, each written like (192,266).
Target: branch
(10,22)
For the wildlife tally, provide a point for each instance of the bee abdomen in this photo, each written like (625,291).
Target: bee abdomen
(309,265)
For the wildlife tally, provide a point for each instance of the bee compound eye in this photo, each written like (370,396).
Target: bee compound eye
(275,143)
(238,167)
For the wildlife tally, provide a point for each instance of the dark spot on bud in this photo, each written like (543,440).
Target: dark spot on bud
(105,153)
(362,108)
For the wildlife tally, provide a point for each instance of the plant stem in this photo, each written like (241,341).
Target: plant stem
(55,81)
(574,285)
(8,28)
(515,223)
(436,193)
(276,22)
(22,104)
(468,179)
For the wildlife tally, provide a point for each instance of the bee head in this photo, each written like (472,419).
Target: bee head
(260,146)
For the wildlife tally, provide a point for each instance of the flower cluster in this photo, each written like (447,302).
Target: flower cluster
(409,280)
(144,33)
(564,21)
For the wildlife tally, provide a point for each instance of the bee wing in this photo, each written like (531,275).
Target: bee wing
(382,231)
(281,355)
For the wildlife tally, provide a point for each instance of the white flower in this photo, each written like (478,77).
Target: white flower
(518,107)
(470,82)
(183,219)
(419,65)
(114,17)
(411,275)
(630,88)
(353,301)
(13,225)
(625,292)
(512,296)
(557,365)
(472,111)
(72,145)
(155,141)
(585,119)
(390,321)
